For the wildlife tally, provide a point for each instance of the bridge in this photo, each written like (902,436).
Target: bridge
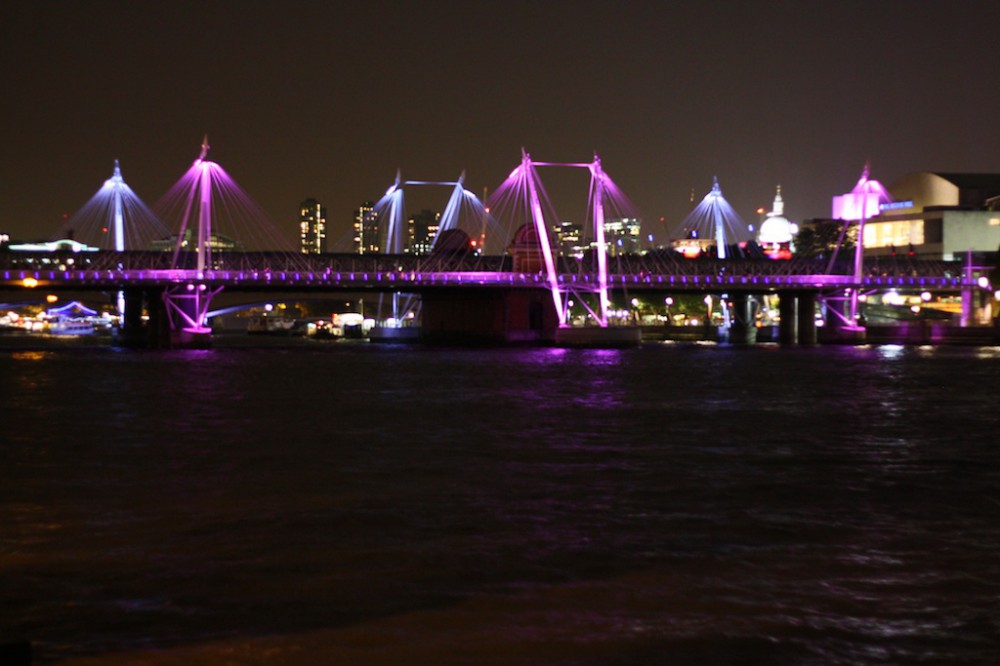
(471,282)
(522,294)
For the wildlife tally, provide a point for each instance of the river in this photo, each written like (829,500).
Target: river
(327,502)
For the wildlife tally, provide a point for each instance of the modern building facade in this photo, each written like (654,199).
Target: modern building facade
(622,235)
(366,229)
(312,227)
(569,235)
(422,229)
(937,216)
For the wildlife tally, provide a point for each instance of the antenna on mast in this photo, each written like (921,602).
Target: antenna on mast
(204,148)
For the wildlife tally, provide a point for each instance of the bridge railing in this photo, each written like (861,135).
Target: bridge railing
(652,263)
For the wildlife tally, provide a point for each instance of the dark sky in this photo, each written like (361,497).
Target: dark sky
(327,99)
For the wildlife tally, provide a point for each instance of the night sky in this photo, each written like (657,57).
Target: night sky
(328,99)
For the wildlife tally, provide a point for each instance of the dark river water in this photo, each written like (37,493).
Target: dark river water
(341,503)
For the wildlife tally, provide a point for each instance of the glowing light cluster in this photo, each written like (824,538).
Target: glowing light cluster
(713,218)
(115,218)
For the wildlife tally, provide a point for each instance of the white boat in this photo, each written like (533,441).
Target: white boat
(68,326)
(270,325)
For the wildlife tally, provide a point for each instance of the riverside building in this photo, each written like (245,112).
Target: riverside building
(312,227)
(937,216)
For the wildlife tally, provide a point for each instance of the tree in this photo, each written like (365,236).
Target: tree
(818,238)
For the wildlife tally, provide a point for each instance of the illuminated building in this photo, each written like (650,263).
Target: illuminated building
(776,233)
(569,235)
(215,242)
(422,229)
(312,227)
(622,235)
(366,238)
(64,245)
(937,216)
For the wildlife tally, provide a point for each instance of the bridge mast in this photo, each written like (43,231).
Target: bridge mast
(116,194)
(543,235)
(602,254)
(717,221)
(205,209)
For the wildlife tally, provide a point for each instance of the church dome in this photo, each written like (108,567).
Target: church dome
(776,229)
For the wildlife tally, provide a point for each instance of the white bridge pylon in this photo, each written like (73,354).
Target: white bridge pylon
(525,182)
(463,205)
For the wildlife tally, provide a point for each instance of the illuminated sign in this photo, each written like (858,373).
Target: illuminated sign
(895,205)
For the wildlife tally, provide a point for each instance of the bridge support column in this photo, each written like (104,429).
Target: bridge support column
(742,330)
(968,307)
(132,332)
(488,316)
(154,333)
(159,322)
(835,310)
(837,328)
(788,324)
(806,318)
(186,308)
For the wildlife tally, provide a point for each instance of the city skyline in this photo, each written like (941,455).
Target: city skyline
(304,102)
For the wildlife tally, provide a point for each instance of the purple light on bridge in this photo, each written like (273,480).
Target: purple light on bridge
(862,202)
(225,215)
(521,202)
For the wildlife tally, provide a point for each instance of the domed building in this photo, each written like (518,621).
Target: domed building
(777,233)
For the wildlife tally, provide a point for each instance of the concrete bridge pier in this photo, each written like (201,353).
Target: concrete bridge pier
(743,329)
(806,317)
(836,329)
(488,316)
(968,307)
(132,332)
(159,323)
(832,318)
(788,329)
(154,333)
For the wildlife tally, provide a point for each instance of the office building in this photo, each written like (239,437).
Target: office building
(366,229)
(312,227)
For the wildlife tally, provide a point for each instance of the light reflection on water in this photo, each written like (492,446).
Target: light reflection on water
(700,503)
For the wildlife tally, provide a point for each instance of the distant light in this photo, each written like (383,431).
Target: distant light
(51,298)
(668,300)
(984,282)
(268,307)
(761,211)
(925,296)
(30,282)
(915,309)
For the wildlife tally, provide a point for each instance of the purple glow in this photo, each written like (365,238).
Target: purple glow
(862,202)
(521,200)
(223,210)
